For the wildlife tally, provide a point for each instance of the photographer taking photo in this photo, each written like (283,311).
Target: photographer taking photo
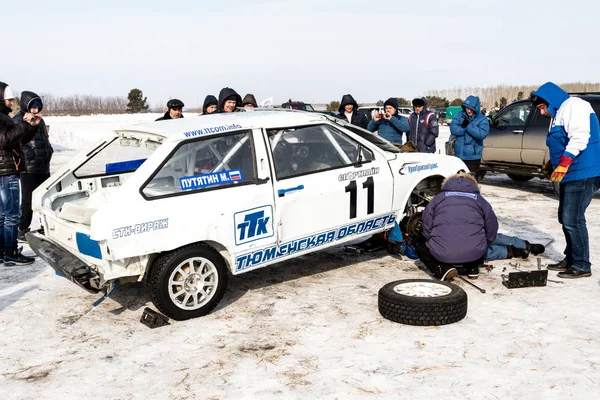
(389,125)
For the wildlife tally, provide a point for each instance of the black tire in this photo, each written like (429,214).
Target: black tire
(173,264)
(520,178)
(443,305)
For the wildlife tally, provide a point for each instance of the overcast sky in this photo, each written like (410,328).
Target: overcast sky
(311,50)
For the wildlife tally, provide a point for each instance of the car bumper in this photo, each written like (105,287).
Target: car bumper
(62,261)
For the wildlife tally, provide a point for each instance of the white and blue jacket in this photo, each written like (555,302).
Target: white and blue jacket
(574,132)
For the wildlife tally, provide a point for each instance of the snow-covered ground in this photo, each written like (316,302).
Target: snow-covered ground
(309,328)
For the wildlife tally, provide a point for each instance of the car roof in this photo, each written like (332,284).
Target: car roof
(214,124)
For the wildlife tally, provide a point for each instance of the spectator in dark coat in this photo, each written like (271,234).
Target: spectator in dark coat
(11,135)
(348,111)
(210,105)
(229,100)
(389,125)
(470,127)
(423,125)
(175,110)
(458,226)
(35,158)
(249,101)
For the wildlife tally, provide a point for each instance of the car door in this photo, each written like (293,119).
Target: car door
(534,139)
(325,178)
(505,139)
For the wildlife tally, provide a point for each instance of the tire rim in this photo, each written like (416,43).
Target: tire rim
(422,289)
(193,283)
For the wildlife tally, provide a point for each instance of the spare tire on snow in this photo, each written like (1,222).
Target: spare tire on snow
(422,302)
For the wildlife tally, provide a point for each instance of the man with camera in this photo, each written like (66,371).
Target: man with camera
(389,125)
(470,127)
(11,135)
(35,157)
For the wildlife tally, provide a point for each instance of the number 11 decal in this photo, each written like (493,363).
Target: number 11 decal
(369,184)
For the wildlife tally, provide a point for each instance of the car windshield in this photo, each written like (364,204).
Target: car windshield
(120,155)
(368,136)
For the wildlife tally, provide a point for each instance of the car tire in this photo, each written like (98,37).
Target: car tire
(187,282)
(520,178)
(422,302)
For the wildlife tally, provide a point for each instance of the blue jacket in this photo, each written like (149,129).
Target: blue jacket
(469,140)
(390,130)
(459,224)
(574,132)
(424,129)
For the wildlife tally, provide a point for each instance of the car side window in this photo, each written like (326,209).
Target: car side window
(306,150)
(539,121)
(220,161)
(515,115)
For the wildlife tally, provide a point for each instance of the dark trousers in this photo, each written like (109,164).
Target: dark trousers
(473,165)
(575,197)
(438,268)
(29,182)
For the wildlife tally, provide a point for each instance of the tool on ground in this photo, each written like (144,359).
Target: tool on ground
(153,319)
(550,280)
(488,267)
(472,284)
(354,250)
(523,279)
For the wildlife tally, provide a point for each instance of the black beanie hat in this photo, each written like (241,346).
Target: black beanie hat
(418,102)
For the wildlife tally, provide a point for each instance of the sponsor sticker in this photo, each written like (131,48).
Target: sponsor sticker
(270,253)
(253,224)
(143,227)
(349,176)
(212,129)
(413,167)
(206,180)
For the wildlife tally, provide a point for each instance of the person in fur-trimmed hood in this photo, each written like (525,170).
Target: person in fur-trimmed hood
(460,227)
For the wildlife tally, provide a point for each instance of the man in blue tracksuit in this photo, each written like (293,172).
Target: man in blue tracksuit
(470,127)
(574,144)
(424,127)
(389,125)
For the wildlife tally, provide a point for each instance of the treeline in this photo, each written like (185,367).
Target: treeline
(83,105)
(500,95)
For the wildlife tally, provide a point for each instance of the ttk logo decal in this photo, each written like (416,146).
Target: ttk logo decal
(253,224)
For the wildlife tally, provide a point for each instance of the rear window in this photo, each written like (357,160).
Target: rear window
(121,155)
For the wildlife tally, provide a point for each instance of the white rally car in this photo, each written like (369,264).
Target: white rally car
(182,203)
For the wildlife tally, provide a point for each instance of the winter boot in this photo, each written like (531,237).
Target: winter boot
(16,258)
(559,266)
(535,248)
(473,271)
(446,273)
(514,252)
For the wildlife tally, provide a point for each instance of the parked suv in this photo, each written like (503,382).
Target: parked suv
(516,144)
(297,105)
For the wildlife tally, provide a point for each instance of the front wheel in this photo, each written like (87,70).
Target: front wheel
(188,282)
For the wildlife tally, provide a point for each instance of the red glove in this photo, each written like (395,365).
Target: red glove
(560,171)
